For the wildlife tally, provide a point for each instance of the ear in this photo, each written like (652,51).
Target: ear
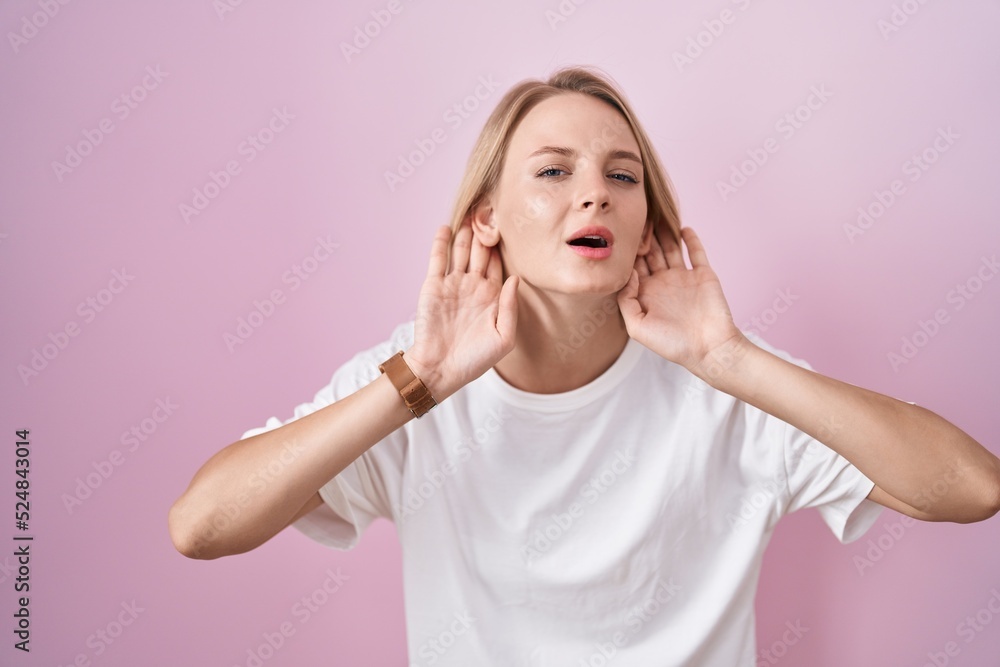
(646,240)
(484,224)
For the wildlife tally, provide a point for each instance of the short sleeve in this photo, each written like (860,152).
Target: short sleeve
(368,488)
(819,477)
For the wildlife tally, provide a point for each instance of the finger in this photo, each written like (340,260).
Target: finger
(628,304)
(674,255)
(507,313)
(696,251)
(654,258)
(460,248)
(480,258)
(494,266)
(641,266)
(439,252)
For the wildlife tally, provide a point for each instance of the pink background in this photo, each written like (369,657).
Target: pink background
(323,175)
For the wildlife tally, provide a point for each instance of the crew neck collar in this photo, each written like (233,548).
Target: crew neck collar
(567,400)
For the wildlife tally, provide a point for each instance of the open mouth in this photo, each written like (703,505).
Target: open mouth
(590,241)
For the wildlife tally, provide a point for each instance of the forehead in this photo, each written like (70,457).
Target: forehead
(574,120)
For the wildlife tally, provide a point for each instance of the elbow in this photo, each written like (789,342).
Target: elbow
(993,495)
(988,500)
(186,537)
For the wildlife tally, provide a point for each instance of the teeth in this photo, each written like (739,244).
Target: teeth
(592,241)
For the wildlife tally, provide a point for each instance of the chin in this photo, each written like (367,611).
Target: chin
(607,287)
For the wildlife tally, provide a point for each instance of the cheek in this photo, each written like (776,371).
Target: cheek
(531,210)
(527,217)
(637,212)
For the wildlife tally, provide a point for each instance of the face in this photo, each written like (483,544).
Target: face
(569,213)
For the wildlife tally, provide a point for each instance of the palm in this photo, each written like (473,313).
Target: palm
(466,316)
(456,318)
(681,313)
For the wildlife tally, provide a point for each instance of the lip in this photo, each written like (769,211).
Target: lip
(587,251)
(593,230)
(591,253)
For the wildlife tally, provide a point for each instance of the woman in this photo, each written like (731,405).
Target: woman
(601,455)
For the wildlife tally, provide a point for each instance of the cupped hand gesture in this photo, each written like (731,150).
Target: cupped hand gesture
(466,314)
(678,312)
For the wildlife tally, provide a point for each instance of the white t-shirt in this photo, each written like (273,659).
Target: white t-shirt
(623,521)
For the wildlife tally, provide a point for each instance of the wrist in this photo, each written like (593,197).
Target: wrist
(428,374)
(415,393)
(721,365)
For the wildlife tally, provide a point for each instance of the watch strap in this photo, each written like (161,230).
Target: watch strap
(415,393)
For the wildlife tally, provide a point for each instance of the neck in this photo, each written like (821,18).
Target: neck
(563,341)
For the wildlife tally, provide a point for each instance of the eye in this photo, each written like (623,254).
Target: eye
(625,178)
(550,171)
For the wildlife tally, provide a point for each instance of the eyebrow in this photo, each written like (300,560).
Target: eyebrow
(569,152)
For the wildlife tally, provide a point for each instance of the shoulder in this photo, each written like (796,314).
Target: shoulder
(693,392)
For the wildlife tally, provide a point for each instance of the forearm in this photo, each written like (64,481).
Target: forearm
(908,451)
(249,491)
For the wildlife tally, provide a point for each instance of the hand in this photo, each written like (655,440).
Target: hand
(679,313)
(465,318)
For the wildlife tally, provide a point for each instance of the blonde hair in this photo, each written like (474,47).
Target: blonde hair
(482,173)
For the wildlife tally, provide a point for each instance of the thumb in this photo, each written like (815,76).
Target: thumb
(507,315)
(627,301)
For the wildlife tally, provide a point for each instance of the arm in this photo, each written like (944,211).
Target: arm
(236,502)
(921,464)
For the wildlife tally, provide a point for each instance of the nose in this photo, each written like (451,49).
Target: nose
(594,191)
